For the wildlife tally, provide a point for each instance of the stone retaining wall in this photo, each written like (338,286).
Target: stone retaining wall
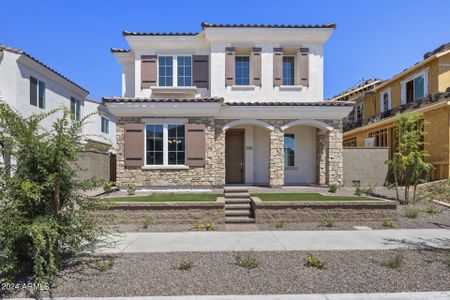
(164,213)
(317,211)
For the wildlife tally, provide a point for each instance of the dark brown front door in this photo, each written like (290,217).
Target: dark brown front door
(234,156)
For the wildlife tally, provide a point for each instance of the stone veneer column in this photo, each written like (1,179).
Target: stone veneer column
(321,157)
(335,166)
(276,160)
(219,136)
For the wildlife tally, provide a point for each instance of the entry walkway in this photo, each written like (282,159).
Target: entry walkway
(136,242)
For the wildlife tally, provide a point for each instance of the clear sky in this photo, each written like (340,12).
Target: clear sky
(375,38)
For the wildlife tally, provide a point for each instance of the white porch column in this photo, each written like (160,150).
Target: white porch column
(276,161)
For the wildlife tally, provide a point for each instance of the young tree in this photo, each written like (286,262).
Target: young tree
(408,162)
(44,218)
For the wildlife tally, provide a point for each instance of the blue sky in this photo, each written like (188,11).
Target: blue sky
(373,38)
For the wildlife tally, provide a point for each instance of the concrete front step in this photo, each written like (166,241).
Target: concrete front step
(235,189)
(238,206)
(239,220)
(237,212)
(237,195)
(237,200)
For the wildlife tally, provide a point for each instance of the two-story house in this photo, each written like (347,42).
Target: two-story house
(232,104)
(422,88)
(30,86)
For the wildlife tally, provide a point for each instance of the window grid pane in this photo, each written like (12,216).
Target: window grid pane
(288,70)
(154,144)
(41,94)
(242,70)
(165,70)
(418,88)
(184,76)
(289,150)
(176,144)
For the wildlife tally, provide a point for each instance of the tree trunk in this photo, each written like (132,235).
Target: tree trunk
(396,183)
(414,193)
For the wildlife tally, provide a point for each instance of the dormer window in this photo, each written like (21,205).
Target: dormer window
(288,70)
(242,70)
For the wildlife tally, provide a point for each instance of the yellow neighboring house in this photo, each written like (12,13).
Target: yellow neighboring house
(425,88)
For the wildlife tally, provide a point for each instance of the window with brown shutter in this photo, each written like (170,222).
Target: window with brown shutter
(134,145)
(148,71)
(255,64)
(277,66)
(229,66)
(201,71)
(195,145)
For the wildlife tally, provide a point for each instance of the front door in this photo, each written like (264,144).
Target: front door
(234,156)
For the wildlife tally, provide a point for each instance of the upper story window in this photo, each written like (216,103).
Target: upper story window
(165,70)
(165,144)
(105,124)
(184,71)
(289,150)
(37,93)
(75,108)
(242,69)
(288,70)
(385,101)
(359,112)
(414,87)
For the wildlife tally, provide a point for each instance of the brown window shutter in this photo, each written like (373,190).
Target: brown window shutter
(134,145)
(304,66)
(148,71)
(200,71)
(277,66)
(195,145)
(229,66)
(255,63)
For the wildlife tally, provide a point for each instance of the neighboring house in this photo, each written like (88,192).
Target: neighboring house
(423,88)
(100,125)
(232,104)
(30,86)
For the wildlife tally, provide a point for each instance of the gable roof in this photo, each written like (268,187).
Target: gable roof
(17,51)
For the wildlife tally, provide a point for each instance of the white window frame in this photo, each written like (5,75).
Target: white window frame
(296,69)
(249,71)
(165,123)
(356,111)
(423,73)
(38,84)
(388,91)
(77,101)
(295,150)
(175,68)
(101,124)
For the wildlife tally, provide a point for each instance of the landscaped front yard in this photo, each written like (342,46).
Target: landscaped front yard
(306,197)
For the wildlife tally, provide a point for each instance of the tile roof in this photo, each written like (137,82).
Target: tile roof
(134,33)
(275,103)
(117,50)
(14,50)
(162,100)
(208,25)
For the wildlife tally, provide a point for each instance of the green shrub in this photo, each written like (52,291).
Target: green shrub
(313,261)
(329,221)
(185,266)
(208,226)
(108,186)
(431,210)
(358,191)
(394,261)
(44,217)
(280,225)
(131,189)
(332,188)
(106,264)
(411,213)
(388,224)
(146,222)
(246,261)
(446,259)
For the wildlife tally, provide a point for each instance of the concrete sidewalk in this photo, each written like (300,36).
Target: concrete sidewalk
(135,242)
(377,296)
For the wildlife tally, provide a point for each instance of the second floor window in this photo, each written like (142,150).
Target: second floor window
(385,101)
(105,125)
(242,69)
(37,93)
(165,70)
(358,112)
(288,70)
(415,89)
(289,150)
(75,108)
(184,70)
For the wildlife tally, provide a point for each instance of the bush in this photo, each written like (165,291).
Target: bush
(146,222)
(208,226)
(394,262)
(329,221)
(313,261)
(388,224)
(131,189)
(185,266)
(247,261)
(108,186)
(446,259)
(431,210)
(411,213)
(358,191)
(106,264)
(44,219)
(280,225)
(332,188)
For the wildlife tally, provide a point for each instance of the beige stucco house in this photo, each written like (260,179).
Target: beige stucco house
(232,104)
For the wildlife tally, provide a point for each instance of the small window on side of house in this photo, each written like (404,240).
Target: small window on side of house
(165,70)
(75,108)
(105,125)
(37,92)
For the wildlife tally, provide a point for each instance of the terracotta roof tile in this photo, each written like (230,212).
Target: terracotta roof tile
(206,25)
(14,50)
(275,103)
(134,33)
(117,50)
(162,100)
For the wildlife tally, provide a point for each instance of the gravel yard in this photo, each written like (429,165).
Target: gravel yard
(277,273)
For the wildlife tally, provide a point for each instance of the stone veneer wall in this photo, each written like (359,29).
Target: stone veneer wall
(328,158)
